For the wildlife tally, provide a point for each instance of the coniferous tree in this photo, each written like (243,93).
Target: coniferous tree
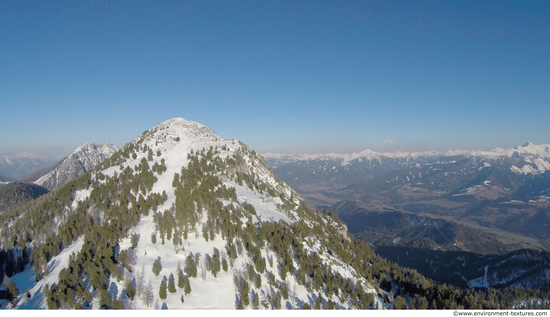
(12,288)
(278,300)
(233,252)
(224,265)
(284,290)
(134,240)
(400,303)
(190,267)
(244,293)
(187,287)
(181,280)
(157,268)
(258,281)
(318,302)
(104,298)
(117,304)
(162,290)
(130,291)
(283,271)
(216,262)
(171,284)
(256,301)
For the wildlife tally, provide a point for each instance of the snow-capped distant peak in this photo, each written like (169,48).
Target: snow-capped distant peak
(177,129)
(526,144)
(529,148)
(367,154)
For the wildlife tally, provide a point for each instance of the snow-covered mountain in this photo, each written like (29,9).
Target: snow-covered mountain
(181,203)
(84,158)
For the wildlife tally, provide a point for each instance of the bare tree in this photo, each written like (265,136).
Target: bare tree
(149,295)
(140,281)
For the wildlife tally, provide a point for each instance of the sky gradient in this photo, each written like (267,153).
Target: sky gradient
(281,76)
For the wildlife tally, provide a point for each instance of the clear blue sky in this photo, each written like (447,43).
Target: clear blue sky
(281,76)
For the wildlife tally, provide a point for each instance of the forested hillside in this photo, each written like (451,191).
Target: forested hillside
(16,193)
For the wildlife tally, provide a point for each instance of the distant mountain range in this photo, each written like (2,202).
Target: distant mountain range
(528,149)
(507,190)
(20,165)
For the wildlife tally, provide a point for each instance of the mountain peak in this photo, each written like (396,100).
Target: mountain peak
(176,130)
(530,149)
(85,146)
(526,144)
(178,123)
